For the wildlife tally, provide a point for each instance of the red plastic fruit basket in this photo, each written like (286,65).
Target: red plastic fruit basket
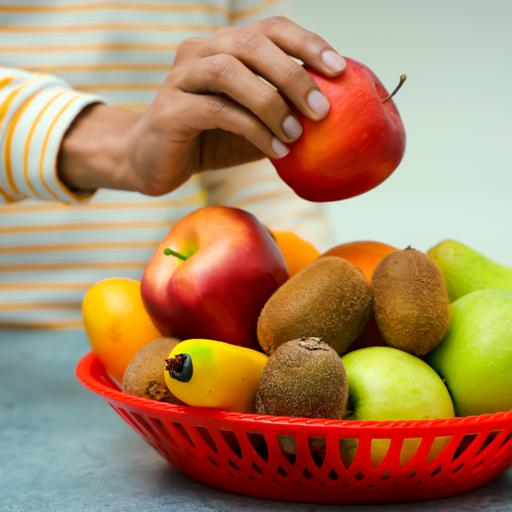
(250,454)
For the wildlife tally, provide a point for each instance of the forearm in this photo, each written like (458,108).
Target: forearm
(94,151)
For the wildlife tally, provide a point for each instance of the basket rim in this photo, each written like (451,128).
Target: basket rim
(90,361)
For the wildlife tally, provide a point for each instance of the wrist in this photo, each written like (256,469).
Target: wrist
(94,152)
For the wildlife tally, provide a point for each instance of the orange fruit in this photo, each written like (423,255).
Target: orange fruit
(116,322)
(297,252)
(365,254)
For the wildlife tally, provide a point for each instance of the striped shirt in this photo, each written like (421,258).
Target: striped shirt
(56,57)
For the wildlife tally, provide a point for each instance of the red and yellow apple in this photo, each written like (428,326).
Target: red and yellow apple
(211,275)
(354,148)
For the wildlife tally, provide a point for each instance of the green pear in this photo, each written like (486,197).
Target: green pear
(475,358)
(466,270)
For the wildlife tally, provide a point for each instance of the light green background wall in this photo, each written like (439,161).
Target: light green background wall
(456,178)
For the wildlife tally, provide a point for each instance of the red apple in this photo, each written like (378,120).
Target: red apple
(354,148)
(211,276)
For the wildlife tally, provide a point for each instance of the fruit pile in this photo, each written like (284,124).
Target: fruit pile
(230,315)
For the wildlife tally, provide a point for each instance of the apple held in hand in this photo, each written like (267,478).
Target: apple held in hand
(354,148)
(211,276)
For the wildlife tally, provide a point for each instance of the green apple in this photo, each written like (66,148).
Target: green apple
(466,270)
(475,359)
(388,384)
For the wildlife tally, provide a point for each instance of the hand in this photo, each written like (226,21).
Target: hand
(212,111)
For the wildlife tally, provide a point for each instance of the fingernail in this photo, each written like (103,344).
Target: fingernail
(279,148)
(334,61)
(318,102)
(292,127)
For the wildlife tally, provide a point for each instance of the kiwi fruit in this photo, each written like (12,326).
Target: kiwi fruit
(329,299)
(305,378)
(410,301)
(144,376)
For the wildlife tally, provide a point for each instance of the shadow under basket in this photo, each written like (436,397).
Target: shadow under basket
(315,461)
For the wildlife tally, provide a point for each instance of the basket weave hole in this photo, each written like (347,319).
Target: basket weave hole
(258,443)
(231,440)
(421,451)
(161,432)
(507,440)
(207,438)
(184,434)
(143,426)
(494,441)
(288,448)
(348,449)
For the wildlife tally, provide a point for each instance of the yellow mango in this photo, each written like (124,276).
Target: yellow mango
(208,373)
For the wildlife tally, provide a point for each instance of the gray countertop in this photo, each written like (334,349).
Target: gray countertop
(63,449)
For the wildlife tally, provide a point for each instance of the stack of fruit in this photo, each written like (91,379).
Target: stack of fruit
(265,318)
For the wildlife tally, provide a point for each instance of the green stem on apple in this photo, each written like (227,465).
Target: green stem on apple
(403,78)
(170,252)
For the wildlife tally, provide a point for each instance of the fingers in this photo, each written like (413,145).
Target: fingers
(266,59)
(225,74)
(210,112)
(307,46)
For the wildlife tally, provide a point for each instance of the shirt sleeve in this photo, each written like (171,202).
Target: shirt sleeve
(257,188)
(243,12)
(35,112)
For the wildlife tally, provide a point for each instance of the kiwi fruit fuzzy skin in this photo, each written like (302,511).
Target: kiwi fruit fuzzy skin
(303,378)
(144,376)
(411,301)
(329,299)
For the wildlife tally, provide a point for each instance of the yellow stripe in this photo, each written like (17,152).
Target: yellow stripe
(72,265)
(65,324)
(125,6)
(224,191)
(118,87)
(29,140)
(4,107)
(256,198)
(85,68)
(45,145)
(86,226)
(93,47)
(33,285)
(291,214)
(135,107)
(39,305)
(5,197)
(252,11)
(8,143)
(108,205)
(91,246)
(129,27)
(6,81)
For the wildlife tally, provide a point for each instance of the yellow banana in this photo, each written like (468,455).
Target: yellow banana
(208,373)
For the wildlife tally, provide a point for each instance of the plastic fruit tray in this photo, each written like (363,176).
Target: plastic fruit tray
(246,454)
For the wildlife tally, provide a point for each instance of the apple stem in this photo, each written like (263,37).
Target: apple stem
(403,78)
(170,252)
